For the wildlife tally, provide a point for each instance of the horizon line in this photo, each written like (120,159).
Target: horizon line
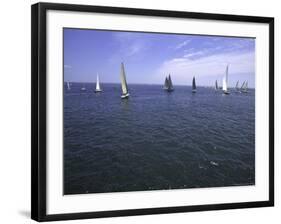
(149,84)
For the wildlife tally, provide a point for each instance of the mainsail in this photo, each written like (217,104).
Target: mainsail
(170,82)
(98,89)
(225,81)
(237,85)
(244,87)
(193,85)
(166,84)
(124,86)
(68,85)
(216,85)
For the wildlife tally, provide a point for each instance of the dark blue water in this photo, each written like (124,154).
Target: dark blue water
(157,140)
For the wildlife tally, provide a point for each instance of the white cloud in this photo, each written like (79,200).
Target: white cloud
(130,44)
(194,54)
(181,45)
(134,49)
(184,68)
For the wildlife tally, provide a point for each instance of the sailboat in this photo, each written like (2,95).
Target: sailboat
(216,86)
(166,84)
(98,89)
(125,93)
(68,85)
(237,86)
(225,82)
(244,87)
(193,85)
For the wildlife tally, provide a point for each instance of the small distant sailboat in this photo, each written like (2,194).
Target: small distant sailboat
(170,88)
(216,86)
(225,82)
(168,85)
(125,93)
(98,89)
(237,86)
(244,87)
(193,85)
(68,85)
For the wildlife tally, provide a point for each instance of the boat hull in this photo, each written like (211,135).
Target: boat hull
(193,91)
(226,92)
(125,96)
(98,91)
(169,90)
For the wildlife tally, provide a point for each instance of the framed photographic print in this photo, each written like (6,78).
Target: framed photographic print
(139,111)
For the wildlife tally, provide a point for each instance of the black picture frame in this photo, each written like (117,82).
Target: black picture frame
(38,108)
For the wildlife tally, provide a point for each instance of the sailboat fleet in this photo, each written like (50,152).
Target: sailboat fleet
(168,85)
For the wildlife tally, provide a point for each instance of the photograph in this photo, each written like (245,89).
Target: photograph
(147,111)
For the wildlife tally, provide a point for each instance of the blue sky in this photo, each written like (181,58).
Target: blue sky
(149,57)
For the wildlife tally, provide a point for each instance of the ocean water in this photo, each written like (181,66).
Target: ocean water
(157,140)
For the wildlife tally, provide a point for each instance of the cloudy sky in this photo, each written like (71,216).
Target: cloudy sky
(149,57)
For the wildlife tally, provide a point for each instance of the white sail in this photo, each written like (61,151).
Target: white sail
(246,86)
(123,81)
(68,85)
(242,86)
(98,89)
(224,85)
(237,85)
(225,80)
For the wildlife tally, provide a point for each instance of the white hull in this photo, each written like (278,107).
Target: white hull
(194,91)
(226,92)
(170,89)
(124,96)
(98,90)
